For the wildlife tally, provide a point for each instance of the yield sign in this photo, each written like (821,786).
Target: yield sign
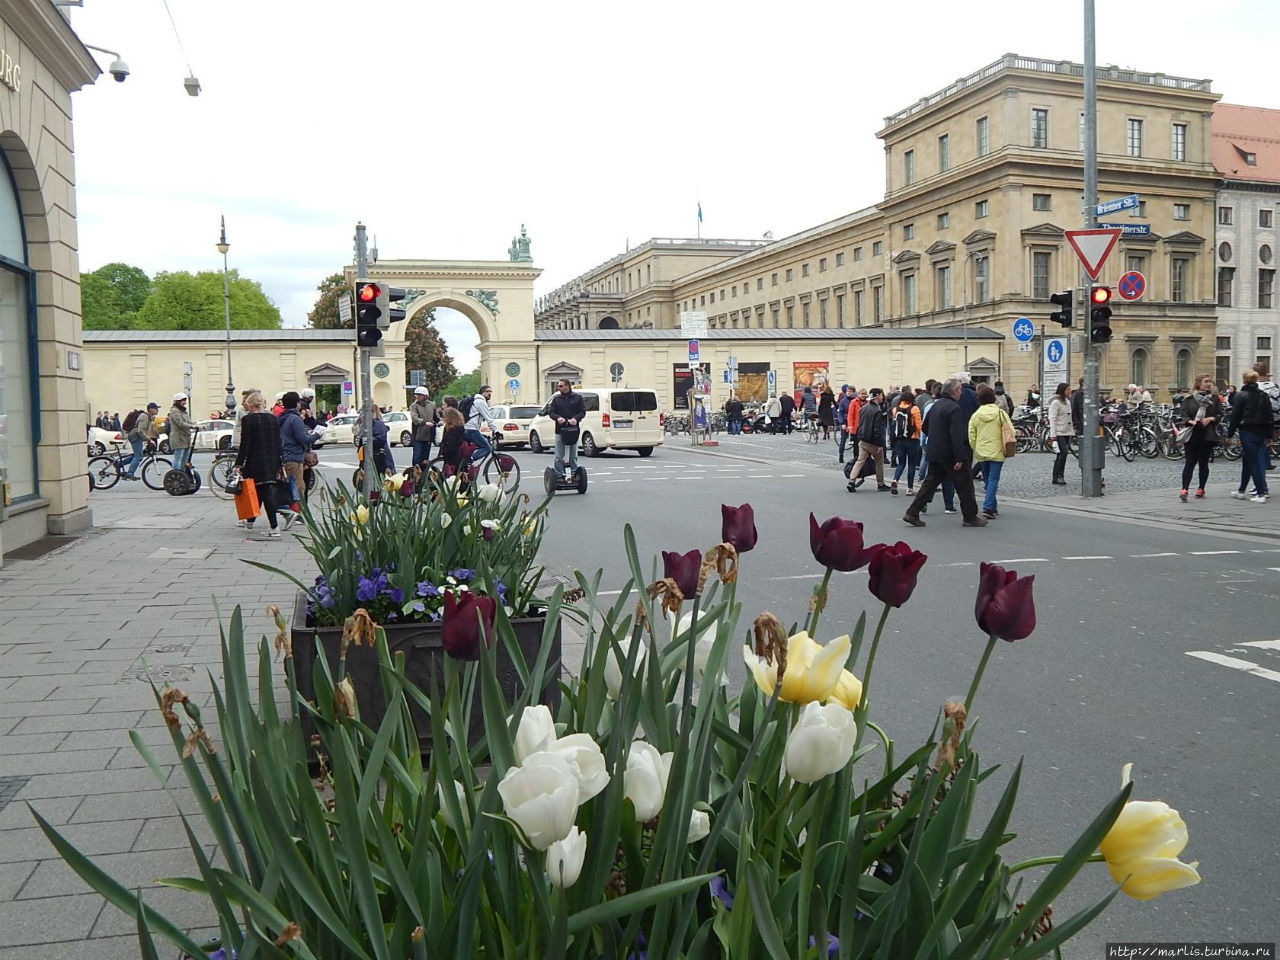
(1093,247)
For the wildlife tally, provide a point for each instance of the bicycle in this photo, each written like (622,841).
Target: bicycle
(810,428)
(222,470)
(497,468)
(106,470)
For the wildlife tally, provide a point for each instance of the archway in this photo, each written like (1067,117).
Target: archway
(608,323)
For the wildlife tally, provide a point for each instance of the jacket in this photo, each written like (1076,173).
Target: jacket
(986,432)
(773,409)
(422,416)
(1077,410)
(258,455)
(1252,411)
(788,404)
(851,417)
(451,447)
(295,441)
(1060,424)
(968,401)
(481,415)
(567,406)
(141,427)
(180,426)
(948,441)
(1212,408)
(871,423)
(914,421)
(842,409)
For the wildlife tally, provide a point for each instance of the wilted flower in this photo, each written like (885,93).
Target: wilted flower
(837,544)
(738,526)
(468,620)
(541,795)
(344,697)
(820,743)
(1142,847)
(683,569)
(892,573)
(812,671)
(393,482)
(565,858)
(645,779)
(1004,606)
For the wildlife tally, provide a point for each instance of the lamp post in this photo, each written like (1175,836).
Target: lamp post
(223,247)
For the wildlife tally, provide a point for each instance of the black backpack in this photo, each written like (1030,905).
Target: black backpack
(902,424)
(465,405)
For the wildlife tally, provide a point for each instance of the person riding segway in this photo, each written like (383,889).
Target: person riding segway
(567,410)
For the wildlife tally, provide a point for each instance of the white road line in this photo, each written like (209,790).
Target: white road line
(1143,556)
(615,481)
(1266,550)
(1211,553)
(1262,644)
(964,563)
(786,475)
(1023,560)
(1088,558)
(1246,665)
(759,476)
(802,576)
(1276,569)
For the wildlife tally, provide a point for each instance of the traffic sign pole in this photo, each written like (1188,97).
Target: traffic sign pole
(1090,447)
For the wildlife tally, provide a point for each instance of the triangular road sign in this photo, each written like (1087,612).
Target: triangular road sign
(1093,247)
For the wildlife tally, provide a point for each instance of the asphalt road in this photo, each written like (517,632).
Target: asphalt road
(1106,678)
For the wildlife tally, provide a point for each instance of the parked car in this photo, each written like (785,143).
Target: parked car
(617,419)
(213,434)
(342,428)
(398,428)
(513,421)
(100,441)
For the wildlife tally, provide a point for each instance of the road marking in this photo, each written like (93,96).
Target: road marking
(615,481)
(1262,644)
(1211,553)
(1023,560)
(1276,569)
(802,576)
(1143,556)
(1266,550)
(1088,558)
(787,475)
(965,563)
(759,476)
(1245,665)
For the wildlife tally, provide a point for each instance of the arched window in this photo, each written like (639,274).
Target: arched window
(608,323)
(1138,366)
(1182,368)
(19,406)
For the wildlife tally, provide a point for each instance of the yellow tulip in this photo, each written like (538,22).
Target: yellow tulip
(393,483)
(848,691)
(813,671)
(361,516)
(1141,849)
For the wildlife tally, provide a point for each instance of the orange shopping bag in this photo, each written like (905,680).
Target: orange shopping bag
(247,505)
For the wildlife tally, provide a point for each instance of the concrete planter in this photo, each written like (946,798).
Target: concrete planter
(420,643)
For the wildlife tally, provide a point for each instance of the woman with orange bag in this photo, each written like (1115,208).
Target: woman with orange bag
(258,459)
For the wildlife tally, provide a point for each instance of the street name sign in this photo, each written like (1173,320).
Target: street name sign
(1023,330)
(1093,247)
(1129,229)
(1119,203)
(1131,285)
(344,308)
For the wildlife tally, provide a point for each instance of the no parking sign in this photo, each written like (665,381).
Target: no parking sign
(1131,285)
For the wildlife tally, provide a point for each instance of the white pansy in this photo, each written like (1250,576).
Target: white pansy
(537,731)
(541,795)
(565,858)
(645,780)
(820,743)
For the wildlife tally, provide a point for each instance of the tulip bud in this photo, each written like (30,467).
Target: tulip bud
(613,664)
(892,573)
(541,796)
(699,826)
(1141,849)
(645,779)
(565,858)
(820,743)
(837,544)
(683,569)
(467,622)
(536,731)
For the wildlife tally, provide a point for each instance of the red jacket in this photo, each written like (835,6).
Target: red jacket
(851,419)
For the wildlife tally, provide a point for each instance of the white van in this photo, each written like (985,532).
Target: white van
(624,418)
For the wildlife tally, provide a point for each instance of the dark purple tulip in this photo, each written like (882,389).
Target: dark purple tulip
(683,569)
(1004,607)
(738,526)
(892,573)
(464,617)
(838,544)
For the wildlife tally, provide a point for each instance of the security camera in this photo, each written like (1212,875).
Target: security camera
(118,69)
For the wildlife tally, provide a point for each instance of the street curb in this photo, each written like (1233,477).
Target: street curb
(1189,524)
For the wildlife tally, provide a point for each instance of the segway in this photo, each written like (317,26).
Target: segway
(554,481)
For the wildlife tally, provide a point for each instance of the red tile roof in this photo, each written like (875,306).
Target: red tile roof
(1239,132)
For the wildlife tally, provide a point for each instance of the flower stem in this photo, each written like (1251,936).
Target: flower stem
(977,677)
(820,601)
(1048,862)
(871,657)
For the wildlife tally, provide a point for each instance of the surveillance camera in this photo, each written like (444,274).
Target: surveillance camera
(118,69)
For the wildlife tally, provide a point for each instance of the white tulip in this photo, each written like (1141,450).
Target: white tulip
(614,662)
(565,857)
(587,761)
(445,520)
(537,731)
(541,795)
(490,492)
(820,743)
(645,780)
(702,645)
(461,792)
(699,826)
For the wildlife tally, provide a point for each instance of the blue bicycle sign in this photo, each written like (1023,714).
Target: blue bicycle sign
(1023,330)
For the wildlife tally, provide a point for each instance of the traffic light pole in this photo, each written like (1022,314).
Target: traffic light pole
(1090,446)
(366,378)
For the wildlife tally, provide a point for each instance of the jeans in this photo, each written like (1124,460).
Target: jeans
(841,441)
(481,444)
(938,475)
(181,457)
(1253,461)
(572,449)
(1060,461)
(908,454)
(735,426)
(421,451)
(137,445)
(924,466)
(991,480)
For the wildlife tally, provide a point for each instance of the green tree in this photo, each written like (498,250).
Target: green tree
(463,386)
(424,350)
(185,301)
(112,295)
(324,315)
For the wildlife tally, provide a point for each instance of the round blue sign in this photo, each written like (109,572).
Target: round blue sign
(1054,351)
(1023,330)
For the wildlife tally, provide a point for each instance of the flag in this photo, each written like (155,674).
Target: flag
(699,211)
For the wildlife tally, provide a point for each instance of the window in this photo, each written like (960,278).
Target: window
(713,297)
(791,316)
(1222,343)
(857,308)
(1136,261)
(804,269)
(1178,274)
(980,277)
(822,313)
(773,280)
(1182,368)
(1179,141)
(790,273)
(980,209)
(1138,366)
(857,254)
(877,304)
(804,314)
(734,288)
(775,316)
(909,294)
(1140,210)
(1264,253)
(722,294)
(1264,343)
(1041,260)
(877,248)
(1041,201)
(909,167)
(1040,127)
(944,221)
(983,146)
(704,299)
(1133,139)
(1225,277)
(840,259)
(1266,279)
(1224,252)
(759,283)
(942,287)
(839,309)
(822,265)
(1182,211)
(1082,131)
(908,231)
(1222,369)
(1224,216)
(1264,219)
(944,154)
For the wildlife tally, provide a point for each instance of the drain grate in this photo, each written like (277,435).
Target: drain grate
(38,548)
(9,787)
(161,673)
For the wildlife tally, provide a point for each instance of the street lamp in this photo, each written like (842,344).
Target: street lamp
(223,247)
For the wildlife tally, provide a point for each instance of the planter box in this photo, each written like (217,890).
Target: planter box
(423,653)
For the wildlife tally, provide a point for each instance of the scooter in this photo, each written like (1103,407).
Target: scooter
(184,482)
(554,481)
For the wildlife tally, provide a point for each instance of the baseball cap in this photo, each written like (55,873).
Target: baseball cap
(179,396)
(420,391)
(153,405)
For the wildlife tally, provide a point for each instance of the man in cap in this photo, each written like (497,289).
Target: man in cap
(422,418)
(180,429)
(138,437)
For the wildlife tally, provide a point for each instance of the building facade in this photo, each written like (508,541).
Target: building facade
(42,403)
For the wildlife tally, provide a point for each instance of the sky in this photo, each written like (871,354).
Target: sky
(445,127)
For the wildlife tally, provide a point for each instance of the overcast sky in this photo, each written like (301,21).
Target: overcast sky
(593,124)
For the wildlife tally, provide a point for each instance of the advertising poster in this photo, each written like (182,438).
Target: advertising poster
(812,373)
(682,382)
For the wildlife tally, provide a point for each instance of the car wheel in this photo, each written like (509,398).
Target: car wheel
(99,448)
(589,447)
(406,439)
(164,447)
(645,451)
(224,443)
(535,442)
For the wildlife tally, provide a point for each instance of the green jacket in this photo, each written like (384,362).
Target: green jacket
(180,427)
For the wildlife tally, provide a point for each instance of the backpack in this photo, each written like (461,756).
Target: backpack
(464,407)
(130,421)
(1273,391)
(902,424)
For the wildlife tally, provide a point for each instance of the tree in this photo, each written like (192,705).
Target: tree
(464,386)
(185,301)
(112,295)
(424,350)
(324,315)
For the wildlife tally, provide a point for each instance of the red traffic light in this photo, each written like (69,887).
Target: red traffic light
(1100,294)
(368,292)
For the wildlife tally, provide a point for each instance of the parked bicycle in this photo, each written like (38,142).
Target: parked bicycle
(106,470)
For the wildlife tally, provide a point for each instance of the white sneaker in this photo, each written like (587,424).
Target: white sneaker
(242,524)
(1239,495)
(1259,498)
(289,517)
(273,534)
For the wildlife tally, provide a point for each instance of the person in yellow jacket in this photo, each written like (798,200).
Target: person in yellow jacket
(988,428)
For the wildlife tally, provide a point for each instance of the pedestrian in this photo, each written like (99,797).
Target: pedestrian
(382,460)
(904,427)
(451,439)
(1077,409)
(989,428)
(788,407)
(847,395)
(1201,412)
(1269,389)
(258,459)
(826,411)
(422,418)
(733,415)
(306,397)
(479,418)
(871,431)
(115,421)
(1253,418)
(1060,429)
(277,408)
(179,429)
(851,416)
(295,443)
(968,397)
(1003,398)
(948,453)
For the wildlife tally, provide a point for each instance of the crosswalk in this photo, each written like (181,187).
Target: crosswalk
(1257,649)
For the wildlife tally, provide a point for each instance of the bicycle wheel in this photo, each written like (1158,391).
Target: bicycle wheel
(1128,446)
(104,472)
(1169,445)
(1148,443)
(1231,448)
(1026,439)
(501,469)
(153,471)
(220,477)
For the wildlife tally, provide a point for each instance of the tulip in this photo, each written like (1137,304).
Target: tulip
(738,526)
(699,826)
(1004,607)
(892,573)
(361,516)
(537,731)
(490,492)
(837,544)
(813,671)
(820,743)
(848,691)
(1142,847)
(565,857)
(613,663)
(703,642)
(683,569)
(541,796)
(586,761)
(468,620)
(445,520)
(644,781)
(461,792)
(393,483)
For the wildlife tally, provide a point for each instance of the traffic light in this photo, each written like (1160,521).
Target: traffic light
(1062,300)
(395,295)
(1100,315)
(370,308)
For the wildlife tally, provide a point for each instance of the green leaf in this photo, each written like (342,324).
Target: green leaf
(635,902)
(762,912)
(146,946)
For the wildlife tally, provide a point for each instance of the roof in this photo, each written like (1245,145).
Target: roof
(217,336)
(770,333)
(1241,133)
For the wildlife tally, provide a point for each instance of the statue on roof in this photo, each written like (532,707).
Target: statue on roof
(519,249)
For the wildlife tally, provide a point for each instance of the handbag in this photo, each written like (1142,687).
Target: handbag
(247,503)
(235,482)
(1184,435)
(1010,438)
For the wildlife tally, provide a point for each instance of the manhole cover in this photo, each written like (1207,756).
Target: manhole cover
(9,787)
(181,553)
(160,673)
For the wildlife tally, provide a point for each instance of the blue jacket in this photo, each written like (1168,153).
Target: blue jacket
(968,402)
(295,439)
